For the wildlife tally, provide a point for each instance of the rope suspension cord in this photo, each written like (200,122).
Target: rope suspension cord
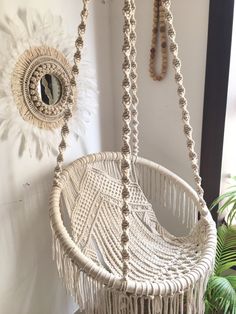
(159,25)
(183,103)
(79,43)
(129,10)
(133,78)
(126,133)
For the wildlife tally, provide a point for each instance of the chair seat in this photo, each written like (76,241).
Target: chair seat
(155,254)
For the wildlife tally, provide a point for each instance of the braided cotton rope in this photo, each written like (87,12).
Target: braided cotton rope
(184,105)
(126,149)
(79,43)
(133,77)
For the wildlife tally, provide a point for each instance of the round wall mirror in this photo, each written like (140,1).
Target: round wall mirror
(41,86)
(50,89)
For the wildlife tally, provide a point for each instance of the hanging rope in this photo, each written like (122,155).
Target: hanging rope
(133,77)
(126,149)
(79,43)
(184,106)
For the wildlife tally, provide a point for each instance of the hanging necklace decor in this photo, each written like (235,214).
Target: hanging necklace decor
(35,76)
(159,26)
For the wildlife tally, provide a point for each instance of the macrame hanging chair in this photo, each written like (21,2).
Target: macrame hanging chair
(114,256)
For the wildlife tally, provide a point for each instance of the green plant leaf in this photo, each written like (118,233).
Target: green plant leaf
(222,198)
(221,294)
(231,200)
(232,280)
(209,307)
(231,216)
(226,249)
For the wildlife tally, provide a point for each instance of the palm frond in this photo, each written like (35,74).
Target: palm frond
(221,294)
(209,307)
(221,198)
(226,249)
(227,203)
(232,215)
(232,280)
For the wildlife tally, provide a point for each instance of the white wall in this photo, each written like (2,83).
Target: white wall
(29,282)
(160,120)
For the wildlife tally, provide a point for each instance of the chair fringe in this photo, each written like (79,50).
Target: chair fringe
(95,298)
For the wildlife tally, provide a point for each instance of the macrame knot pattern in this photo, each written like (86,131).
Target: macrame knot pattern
(125,131)
(79,43)
(172,35)
(65,130)
(183,101)
(125,224)
(126,149)
(176,62)
(70,98)
(178,76)
(126,99)
(125,195)
(82,28)
(77,56)
(60,158)
(169,17)
(73,82)
(186,118)
(62,145)
(181,91)
(134,77)
(75,69)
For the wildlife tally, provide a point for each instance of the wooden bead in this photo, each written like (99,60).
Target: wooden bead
(159,23)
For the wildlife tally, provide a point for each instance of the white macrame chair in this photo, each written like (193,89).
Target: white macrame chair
(114,256)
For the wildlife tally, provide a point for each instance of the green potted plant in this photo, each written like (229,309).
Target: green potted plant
(220,296)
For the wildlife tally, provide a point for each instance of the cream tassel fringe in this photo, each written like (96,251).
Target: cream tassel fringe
(95,298)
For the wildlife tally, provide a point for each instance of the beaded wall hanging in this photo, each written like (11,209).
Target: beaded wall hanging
(159,26)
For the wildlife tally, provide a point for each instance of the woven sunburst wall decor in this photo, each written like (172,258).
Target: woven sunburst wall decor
(35,69)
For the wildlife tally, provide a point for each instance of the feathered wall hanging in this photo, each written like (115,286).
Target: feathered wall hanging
(35,58)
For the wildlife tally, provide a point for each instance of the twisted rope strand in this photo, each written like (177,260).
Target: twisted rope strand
(184,106)
(79,43)
(126,149)
(133,78)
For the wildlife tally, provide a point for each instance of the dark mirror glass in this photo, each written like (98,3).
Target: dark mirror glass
(50,89)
